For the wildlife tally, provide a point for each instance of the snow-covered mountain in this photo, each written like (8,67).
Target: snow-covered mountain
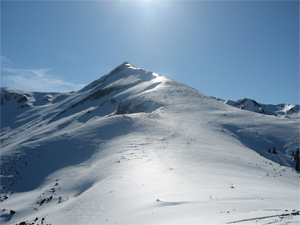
(134,147)
(283,110)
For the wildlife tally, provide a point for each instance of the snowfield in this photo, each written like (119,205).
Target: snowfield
(137,148)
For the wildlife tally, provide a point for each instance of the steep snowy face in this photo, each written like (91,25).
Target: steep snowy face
(120,72)
(107,95)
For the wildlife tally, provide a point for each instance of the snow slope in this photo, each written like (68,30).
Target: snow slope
(134,147)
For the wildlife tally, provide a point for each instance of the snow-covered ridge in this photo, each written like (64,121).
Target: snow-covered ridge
(281,110)
(134,147)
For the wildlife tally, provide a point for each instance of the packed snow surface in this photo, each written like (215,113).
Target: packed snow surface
(137,148)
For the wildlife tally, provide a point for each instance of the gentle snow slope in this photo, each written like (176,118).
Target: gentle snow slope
(137,148)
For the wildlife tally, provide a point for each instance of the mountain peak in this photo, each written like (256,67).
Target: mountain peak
(127,64)
(123,65)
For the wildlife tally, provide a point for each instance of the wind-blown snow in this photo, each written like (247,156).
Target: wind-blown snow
(137,148)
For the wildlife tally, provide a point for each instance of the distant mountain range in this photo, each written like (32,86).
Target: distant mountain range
(282,110)
(134,147)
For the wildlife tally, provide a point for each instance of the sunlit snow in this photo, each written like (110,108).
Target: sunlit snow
(137,148)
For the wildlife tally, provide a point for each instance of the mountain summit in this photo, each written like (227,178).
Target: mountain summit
(134,147)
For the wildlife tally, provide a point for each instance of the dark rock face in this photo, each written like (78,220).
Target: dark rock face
(123,108)
(135,107)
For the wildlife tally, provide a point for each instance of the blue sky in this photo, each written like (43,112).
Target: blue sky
(226,49)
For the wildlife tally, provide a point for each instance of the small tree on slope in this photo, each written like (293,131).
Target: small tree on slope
(297,158)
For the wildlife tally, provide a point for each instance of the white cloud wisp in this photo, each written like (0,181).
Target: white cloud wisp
(34,80)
